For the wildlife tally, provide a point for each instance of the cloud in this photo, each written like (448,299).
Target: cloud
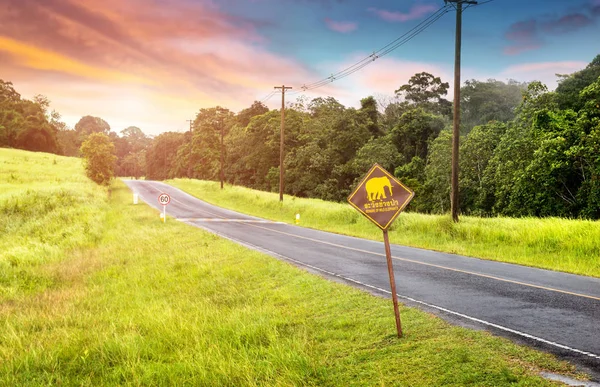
(340,26)
(523,36)
(177,55)
(417,11)
(595,8)
(567,23)
(531,34)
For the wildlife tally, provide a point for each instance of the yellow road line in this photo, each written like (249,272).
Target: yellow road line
(433,265)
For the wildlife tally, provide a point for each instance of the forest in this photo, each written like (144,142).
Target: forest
(524,150)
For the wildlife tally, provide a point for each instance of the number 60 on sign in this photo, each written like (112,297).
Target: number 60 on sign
(164,199)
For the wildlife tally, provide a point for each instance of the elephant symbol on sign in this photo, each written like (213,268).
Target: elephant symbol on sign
(376,188)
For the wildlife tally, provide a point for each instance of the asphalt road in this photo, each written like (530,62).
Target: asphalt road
(553,311)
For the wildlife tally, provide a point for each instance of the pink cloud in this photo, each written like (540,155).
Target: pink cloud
(140,57)
(340,26)
(417,11)
(519,49)
(554,67)
(529,34)
(567,23)
(523,37)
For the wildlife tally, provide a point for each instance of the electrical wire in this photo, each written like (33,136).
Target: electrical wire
(393,45)
(268,96)
(405,38)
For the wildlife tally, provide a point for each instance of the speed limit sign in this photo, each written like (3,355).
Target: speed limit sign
(164,199)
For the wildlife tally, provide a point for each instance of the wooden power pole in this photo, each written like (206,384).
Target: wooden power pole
(191,146)
(456,119)
(283,89)
(222,172)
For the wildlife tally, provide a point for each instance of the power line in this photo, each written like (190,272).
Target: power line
(393,45)
(268,97)
(403,39)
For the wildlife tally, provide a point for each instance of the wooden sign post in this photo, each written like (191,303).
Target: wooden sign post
(381,197)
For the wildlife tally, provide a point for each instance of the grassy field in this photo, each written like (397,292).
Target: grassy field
(557,244)
(100,292)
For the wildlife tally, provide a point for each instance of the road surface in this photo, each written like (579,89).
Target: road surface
(553,311)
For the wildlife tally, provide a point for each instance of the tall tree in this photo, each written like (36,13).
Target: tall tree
(487,101)
(476,151)
(243,117)
(162,154)
(426,91)
(414,131)
(569,89)
(98,153)
(88,125)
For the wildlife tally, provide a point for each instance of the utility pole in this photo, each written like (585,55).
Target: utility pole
(456,118)
(283,89)
(222,151)
(219,112)
(191,146)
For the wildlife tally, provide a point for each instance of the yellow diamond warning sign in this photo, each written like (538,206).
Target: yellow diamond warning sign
(380,197)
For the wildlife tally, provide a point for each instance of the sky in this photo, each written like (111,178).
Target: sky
(154,63)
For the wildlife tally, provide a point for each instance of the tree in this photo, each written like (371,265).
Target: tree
(370,115)
(476,151)
(436,190)
(98,153)
(161,156)
(570,86)
(130,151)
(414,131)
(88,125)
(67,142)
(243,117)
(206,141)
(492,100)
(426,91)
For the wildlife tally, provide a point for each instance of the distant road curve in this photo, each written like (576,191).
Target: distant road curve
(554,311)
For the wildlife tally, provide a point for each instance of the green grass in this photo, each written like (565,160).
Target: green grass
(557,244)
(123,299)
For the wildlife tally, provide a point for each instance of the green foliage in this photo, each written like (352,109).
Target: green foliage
(414,132)
(426,91)
(89,125)
(26,124)
(438,171)
(98,153)
(521,154)
(492,100)
(206,143)
(161,156)
(570,87)
(476,150)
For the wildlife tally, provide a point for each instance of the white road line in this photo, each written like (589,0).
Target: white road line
(445,310)
(227,220)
